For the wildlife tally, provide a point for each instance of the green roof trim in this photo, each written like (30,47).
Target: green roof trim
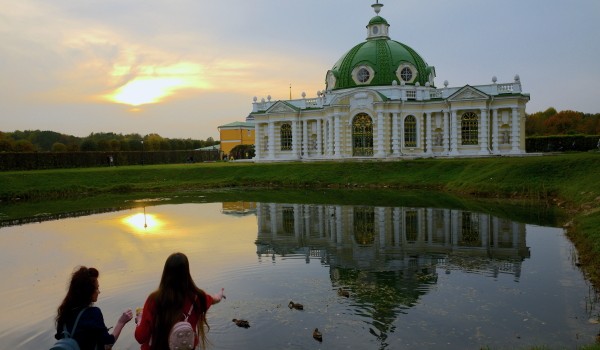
(247,125)
(285,103)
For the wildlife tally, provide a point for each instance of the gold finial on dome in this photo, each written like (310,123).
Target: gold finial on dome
(377,7)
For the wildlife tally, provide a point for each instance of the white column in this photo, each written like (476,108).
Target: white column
(330,136)
(495,144)
(319,138)
(401,131)
(295,141)
(515,127)
(446,137)
(271,128)
(380,151)
(305,138)
(395,141)
(484,132)
(257,141)
(428,144)
(453,133)
(337,152)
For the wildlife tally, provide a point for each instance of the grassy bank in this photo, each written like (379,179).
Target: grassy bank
(568,181)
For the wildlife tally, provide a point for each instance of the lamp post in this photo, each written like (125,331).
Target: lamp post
(142,152)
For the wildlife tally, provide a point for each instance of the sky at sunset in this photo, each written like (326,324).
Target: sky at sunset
(181,68)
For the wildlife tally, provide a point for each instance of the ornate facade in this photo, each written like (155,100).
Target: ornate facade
(381,102)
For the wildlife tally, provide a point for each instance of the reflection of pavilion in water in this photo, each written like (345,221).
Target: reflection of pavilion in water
(384,238)
(238,208)
(388,257)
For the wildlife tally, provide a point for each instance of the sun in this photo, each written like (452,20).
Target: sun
(152,84)
(146,90)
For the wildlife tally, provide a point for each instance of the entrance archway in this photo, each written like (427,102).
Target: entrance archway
(362,136)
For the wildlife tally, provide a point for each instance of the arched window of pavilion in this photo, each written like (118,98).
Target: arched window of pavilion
(286,137)
(410,131)
(362,135)
(469,129)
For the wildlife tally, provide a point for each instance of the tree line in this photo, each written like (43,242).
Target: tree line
(50,141)
(546,123)
(551,122)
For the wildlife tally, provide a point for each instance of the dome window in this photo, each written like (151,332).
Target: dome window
(375,30)
(363,75)
(406,74)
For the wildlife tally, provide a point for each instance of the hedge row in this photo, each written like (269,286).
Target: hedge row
(577,143)
(52,160)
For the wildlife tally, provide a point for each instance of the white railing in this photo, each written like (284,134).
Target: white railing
(435,94)
(312,103)
(505,88)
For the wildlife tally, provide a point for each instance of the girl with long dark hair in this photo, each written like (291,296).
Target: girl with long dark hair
(174,297)
(91,332)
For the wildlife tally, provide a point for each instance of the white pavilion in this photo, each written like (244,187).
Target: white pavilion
(380,102)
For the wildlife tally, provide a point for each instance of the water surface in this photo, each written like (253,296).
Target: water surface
(418,278)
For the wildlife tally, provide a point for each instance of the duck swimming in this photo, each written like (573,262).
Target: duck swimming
(296,306)
(343,293)
(317,335)
(241,323)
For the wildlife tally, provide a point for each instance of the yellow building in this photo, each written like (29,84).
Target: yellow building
(236,133)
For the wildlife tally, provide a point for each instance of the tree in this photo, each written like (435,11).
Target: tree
(563,122)
(88,145)
(152,142)
(59,147)
(24,146)
(135,144)
(115,145)
(6,142)
(104,145)
(534,124)
(242,152)
(6,145)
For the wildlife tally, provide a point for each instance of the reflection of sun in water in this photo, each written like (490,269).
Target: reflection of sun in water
(143,223)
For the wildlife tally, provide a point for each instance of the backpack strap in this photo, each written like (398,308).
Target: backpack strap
(66,332)
(191,308)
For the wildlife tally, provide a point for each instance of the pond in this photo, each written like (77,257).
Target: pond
(369,277)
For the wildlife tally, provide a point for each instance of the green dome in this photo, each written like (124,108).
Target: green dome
(382,62)
(377,20)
